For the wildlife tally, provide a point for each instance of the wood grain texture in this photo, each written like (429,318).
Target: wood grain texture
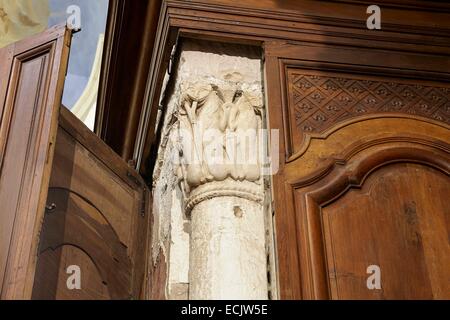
(57,261)
(319,101)
(6,56)
(398,221)
(369,210)
(97,216)
(349,147)
(27,136)
(340,110)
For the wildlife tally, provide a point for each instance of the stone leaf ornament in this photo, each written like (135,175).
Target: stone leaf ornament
(219,134)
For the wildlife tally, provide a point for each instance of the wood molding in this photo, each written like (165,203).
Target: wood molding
(408,98)
(109,59)
(358,147)
(435,5)
(309,21)
(147,135)
(130,36)
(329,185)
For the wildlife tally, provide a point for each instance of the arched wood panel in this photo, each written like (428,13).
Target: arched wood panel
(397,220)
(386,207)
(73,221)
(55,262)
(96,218)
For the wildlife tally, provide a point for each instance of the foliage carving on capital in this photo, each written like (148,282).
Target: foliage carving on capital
(219,134)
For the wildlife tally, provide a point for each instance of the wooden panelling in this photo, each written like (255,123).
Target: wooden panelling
(27,134)
(96,216)
(320,102)
(398,221)
(74,222)
(364,171)
(57,261)
(384,206)
(342,10)
(313,21)
(340,97)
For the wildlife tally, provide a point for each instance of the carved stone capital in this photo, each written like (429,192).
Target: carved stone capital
(219,132)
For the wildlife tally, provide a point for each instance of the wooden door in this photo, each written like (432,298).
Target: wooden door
(67,200)
(32,77)
(96,220)
(364,179)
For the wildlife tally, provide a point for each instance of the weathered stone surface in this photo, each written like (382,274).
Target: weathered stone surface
(228,250)
(220,252)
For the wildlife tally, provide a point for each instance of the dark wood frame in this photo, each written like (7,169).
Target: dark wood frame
(129,39)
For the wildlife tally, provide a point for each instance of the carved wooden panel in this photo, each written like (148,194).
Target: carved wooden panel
(397,221)
(320,101)
(32,81)
(385,206)
(366,146)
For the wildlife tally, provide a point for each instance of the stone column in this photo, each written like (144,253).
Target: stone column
(227,259)
(209,156)
(219,132)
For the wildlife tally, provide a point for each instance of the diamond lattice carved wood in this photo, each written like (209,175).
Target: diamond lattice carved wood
(320,102)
